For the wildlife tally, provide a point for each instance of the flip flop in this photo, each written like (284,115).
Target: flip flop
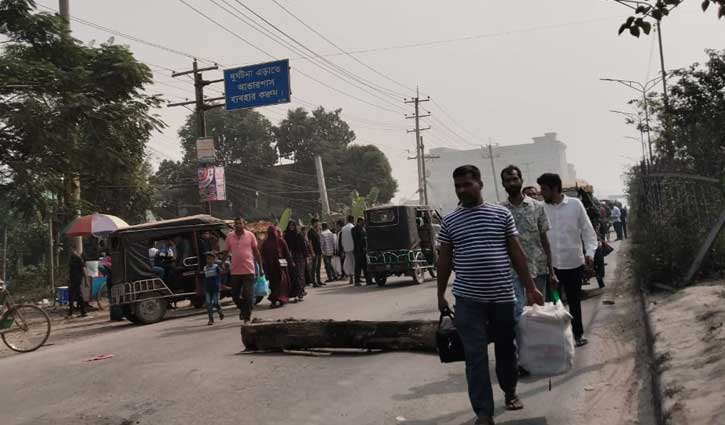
(513,403)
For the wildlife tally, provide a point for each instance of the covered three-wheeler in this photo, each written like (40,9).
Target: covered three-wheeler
(401,240)
(158,263)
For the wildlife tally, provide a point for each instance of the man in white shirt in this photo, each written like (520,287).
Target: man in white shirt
(328,241)
(617,221)
(348,245)
(570,226)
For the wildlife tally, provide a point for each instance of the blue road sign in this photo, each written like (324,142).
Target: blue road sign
(257,85)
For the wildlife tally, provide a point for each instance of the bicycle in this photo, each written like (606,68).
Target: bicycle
(23,327)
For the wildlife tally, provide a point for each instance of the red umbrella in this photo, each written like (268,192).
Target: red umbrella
(94,224)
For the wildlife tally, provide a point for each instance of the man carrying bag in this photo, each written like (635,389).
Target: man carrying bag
(485,242)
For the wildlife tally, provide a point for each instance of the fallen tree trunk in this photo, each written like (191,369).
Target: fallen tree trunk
(413,335)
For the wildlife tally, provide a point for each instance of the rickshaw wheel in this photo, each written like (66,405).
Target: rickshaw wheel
(149,311)
(418,275)
(380,279)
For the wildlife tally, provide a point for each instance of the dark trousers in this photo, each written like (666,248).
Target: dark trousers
(329,269)
(361,265)
(76,295)
(571,281)
(243,294)
(618,230)
(624,229)
(317,266)
(470,320)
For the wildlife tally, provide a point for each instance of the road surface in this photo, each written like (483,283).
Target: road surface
(182,371)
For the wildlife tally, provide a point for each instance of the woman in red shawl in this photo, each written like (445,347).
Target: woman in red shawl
(277,258)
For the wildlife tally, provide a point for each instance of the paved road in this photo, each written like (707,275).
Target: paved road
(182,372)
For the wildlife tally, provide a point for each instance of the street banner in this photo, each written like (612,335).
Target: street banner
(205,153)
(212,185)
(257,85)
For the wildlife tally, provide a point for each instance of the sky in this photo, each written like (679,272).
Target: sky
(499,71)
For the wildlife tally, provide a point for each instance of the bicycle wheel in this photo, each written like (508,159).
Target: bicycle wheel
(102,297)
(28,328)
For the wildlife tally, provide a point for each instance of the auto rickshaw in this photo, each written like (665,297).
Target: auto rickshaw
(141,290)
(401,240)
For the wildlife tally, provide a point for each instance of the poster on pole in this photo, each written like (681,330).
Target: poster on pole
(212,185)
(257,85)
(205,152)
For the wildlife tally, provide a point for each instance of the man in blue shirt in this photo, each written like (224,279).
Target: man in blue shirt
(481,241)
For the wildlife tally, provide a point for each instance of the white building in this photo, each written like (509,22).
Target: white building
(546,155)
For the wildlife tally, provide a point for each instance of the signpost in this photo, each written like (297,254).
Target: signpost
(212,185)
(205,153)
(257,85)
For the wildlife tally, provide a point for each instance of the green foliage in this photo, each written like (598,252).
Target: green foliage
(70,109)
(358,205)
(284,218)
(301,136)
(656,10)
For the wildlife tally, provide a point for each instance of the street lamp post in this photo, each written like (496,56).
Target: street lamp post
(639,127)
(643,89)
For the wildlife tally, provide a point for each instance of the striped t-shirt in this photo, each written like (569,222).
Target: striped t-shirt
(480,254)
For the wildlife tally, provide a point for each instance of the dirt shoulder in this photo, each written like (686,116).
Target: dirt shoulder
(619,390)
(689,346)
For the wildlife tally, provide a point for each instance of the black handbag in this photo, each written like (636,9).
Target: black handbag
(448,342)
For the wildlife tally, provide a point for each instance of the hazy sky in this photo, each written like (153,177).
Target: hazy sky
(524,68)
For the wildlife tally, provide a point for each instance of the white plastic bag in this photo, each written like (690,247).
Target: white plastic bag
(545,339)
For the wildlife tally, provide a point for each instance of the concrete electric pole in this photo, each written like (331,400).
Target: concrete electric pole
(493,169)
(322,187)
(200,103)
(419,153)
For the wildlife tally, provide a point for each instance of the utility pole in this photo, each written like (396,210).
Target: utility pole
(425,172)
(51,253)
(5,253)
(419,153)
(200,103)
(64,10)
(322,187)
(662,68)
(493,169)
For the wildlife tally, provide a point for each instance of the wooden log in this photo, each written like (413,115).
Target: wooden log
(413,335)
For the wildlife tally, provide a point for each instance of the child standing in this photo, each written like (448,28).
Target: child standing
(212,286)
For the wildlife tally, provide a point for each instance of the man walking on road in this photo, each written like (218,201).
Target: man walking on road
(617,221)
(570,226)
(359,238)
(481,241)
(328,242)
(348,246)
(314,236)
(241,246)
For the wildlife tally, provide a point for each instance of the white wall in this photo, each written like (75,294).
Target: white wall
(546,154)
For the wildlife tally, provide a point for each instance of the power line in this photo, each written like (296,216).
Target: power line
(298,19)
(267,33)
(317,55)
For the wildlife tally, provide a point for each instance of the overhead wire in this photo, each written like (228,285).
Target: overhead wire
(335,45)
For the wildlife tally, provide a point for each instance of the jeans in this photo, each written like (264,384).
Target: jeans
(329,269)
(470,320)
(541,281)
(618,230)
(317,264)
(571,281)
(212,302)
(243,285)
(361,265)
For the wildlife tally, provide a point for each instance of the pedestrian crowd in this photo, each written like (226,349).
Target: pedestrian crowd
(535,246)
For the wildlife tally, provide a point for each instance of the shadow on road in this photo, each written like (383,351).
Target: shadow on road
(454,383)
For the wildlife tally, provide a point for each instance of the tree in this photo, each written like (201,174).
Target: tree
(647,10)
(696,117)
(69,109)
(301,136)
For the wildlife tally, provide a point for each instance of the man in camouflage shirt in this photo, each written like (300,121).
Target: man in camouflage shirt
(532,225)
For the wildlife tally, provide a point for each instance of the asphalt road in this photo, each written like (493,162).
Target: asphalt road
(182,371)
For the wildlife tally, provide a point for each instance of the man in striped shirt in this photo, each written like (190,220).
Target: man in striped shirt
(480,241)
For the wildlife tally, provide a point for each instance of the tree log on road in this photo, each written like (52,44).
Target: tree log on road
(413,335)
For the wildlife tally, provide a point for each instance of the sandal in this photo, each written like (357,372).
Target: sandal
(513,403)
(581,342)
